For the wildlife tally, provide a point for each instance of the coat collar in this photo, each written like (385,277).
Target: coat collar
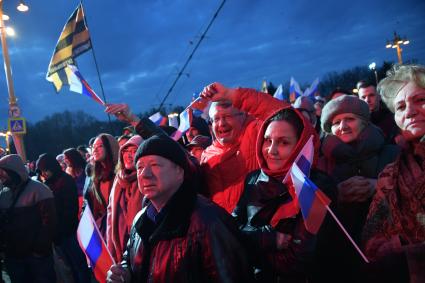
(176,220)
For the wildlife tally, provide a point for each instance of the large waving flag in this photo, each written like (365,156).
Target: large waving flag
(184,125)
(73,41)
(279,93)
(78,84)
(294,90)
(93,245)
(158,119)
(312,201)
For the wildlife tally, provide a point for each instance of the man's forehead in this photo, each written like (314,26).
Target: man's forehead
(367,90)
(223,109)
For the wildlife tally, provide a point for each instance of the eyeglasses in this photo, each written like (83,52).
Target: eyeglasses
(226,117)
(132,152)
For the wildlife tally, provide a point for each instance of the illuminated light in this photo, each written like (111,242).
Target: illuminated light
(10,31)
(394,46)
(406,41)
(22,7)
(5,17)
(389,45)
(355,90)
(372,66)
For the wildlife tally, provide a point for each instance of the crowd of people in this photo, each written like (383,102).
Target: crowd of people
(216,205)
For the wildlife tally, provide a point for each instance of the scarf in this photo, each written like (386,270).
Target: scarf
(344,160)
(398,208)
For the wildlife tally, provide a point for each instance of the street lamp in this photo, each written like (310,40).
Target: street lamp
(372,67)
(396,42)
(14,111)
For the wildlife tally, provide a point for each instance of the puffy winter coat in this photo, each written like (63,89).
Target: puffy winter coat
(226,166)
(29,227)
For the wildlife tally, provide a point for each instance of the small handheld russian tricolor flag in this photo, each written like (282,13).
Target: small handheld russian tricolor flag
(183,126)
(78,84)
(158,119)
(304,159)
(312,201)
(93,245)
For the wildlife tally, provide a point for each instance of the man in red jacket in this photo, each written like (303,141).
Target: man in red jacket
(236,116)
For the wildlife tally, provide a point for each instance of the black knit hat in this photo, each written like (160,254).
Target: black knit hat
(48,162)
(163,146)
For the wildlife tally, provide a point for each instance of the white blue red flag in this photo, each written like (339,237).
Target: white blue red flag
(78,84)
(183,126)
(279,93)
(158,119)
(312,201)
(304,159)
(312,90)
(93,245)
(294,90)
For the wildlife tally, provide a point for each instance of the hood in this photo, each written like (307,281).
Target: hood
(13,162)
(308,130)
(134,140)
(114,146)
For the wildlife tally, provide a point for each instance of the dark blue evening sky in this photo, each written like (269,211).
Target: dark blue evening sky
(140,46)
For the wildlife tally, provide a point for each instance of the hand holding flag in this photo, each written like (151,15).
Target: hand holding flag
(314,204)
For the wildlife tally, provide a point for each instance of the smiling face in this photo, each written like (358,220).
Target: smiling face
(128,154)
(227,124)
(158,178)
(409,115)
(280,138)
(347,126)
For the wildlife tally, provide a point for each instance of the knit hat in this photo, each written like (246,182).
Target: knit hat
(201,141)
(343,104)
(163,146)
(48,162)
(304,103)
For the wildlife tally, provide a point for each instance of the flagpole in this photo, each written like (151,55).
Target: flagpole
(342,228)
(98,72)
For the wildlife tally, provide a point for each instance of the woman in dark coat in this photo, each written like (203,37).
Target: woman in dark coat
(354,153)
(270,219)
(394,234)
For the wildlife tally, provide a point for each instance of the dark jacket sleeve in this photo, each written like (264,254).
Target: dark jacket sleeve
(146,128)
(44,238)
(224,257)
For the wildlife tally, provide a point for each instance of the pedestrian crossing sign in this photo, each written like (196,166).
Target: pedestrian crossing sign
(17,125)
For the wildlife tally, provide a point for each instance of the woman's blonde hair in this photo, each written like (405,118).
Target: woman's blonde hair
(396,79)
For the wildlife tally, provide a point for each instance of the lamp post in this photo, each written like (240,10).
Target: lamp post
(396,42)
(372,67)
(14,111)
